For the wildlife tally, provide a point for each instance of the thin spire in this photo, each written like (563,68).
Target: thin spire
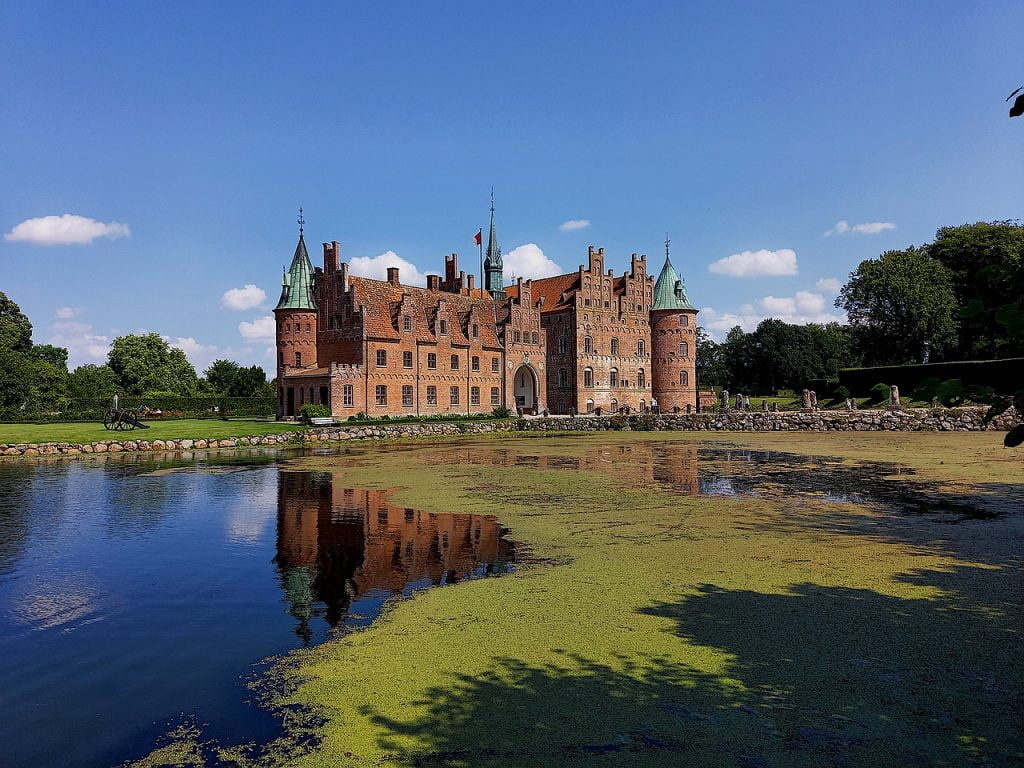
(302,221)
(667,243)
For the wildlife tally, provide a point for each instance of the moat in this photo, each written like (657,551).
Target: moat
(137,593)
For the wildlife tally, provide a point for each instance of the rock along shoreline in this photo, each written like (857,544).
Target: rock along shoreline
(902,420)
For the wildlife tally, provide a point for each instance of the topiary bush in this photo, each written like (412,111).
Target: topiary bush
(314,412)
(879,393)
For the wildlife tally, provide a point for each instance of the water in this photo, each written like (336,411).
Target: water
(130,598)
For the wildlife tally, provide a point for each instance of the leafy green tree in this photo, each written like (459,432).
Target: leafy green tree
(221,376)
(92,381)
(711,370)
(15,372)
(986,264)
(250,382)
(905,304)
(146,363)
(15,328)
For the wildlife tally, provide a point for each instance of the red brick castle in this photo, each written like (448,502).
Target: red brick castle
(571,343)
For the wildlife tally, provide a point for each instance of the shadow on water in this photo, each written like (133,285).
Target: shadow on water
(819,676)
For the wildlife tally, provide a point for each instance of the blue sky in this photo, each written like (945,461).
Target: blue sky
(186,135)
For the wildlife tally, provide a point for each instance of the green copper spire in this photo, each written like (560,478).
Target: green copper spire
(492,264)
(298,282)
(669,290)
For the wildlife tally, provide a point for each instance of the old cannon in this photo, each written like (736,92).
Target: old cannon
(122,419)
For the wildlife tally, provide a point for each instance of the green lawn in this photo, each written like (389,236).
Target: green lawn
(89,432)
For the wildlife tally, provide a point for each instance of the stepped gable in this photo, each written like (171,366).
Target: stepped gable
(550,290)
(383,302)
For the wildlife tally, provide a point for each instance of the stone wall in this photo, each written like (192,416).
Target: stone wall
(909,420)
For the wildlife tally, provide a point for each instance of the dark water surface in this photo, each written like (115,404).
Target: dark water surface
(133,593)
(130,597)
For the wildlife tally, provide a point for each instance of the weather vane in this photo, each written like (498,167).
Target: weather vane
(302,221)
(492,199)
(667,243)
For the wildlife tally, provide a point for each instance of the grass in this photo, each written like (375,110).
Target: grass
(89,432)
(676,629)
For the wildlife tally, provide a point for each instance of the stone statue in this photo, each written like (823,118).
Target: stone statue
(725,399)
(739,401)
(746,402)
(806,399)
(764,406)
(894,396)
(936,403)
(775,407)
(814,400)
(689,407)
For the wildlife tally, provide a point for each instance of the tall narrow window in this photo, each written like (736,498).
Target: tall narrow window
(443,325)
(346,395)
(407,395)
(407,359)
(615,346)
(495,396)
(474,396)
(476,363)
(561,345)
(641,378)
(382,357)
(588,345)
(563,377)
(613,377)
(476,331)
(641,348)
(431,360)
(407,324)
(684,319)
(534,337)
(453,395)
(684,349)
(588,377)
(431,395)
(382,394)
(684,379)
(455,362)
(495,365)
(298,359)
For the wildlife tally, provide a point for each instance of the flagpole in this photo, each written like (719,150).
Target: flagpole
(480,245)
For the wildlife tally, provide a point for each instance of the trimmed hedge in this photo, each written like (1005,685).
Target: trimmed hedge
(93,408)
(1005,376)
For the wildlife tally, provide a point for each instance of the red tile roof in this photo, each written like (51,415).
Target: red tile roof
(551,290)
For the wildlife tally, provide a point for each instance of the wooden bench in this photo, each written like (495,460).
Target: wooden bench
(322,421)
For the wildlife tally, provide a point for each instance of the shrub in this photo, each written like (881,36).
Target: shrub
(878,393)
(1004,376)
(314,411)
(501,413)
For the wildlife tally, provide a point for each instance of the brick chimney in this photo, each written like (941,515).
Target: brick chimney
(434,283)
(393,275)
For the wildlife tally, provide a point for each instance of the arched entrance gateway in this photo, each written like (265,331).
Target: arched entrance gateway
(525,386)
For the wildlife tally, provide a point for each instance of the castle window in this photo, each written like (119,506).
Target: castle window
(382,394)
(517,336)
(684,319)
(606,305)
(561,345)
(613,377)
(346,395)
(382,357)
(641,348)
(407,359)
(684,349)
(406,395)
(455,362)
(431,361)
(476,331)
(453,395)
(280,358)
(495,365)
(330,323)
(407,324)
(684,378)
(614,406)
(474,396)
(586,302)
(588,345)
(534,338)
(298,359)
(590,405)
(476,363)
(563,377)
(443,325)
(641,379)
(615,346)
(588,377)
(431,395)
(495,396)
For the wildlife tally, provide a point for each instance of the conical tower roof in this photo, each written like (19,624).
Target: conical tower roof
(493,260)
(297,285)
(669,290)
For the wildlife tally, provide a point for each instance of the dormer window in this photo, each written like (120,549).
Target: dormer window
(407,324)
(476,331)
(443,327)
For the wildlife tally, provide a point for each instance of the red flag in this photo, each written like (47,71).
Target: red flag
(478,238)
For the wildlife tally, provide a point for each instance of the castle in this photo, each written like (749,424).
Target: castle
(574,343)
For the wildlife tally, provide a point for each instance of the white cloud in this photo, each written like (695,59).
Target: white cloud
(82,343)
(68,229)
(829,284)
(799,309)
(247,297)
(66,313)
(376,267)
(262,328)
(200,355)
(528,262)
(756,263)
(843,227)
(573,224)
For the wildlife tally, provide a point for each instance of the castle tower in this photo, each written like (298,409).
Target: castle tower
(296,319)
(673,342)
(492,264)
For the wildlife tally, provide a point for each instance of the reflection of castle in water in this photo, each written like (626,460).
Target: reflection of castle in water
(336,544)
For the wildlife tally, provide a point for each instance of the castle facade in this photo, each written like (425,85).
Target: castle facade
(574,343)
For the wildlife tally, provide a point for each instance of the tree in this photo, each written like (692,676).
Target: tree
(711,370)
(146,363)
(221,376)
(92,381)
(986,265)
(15,328)
(250,382)
(904,301)
(229,378)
